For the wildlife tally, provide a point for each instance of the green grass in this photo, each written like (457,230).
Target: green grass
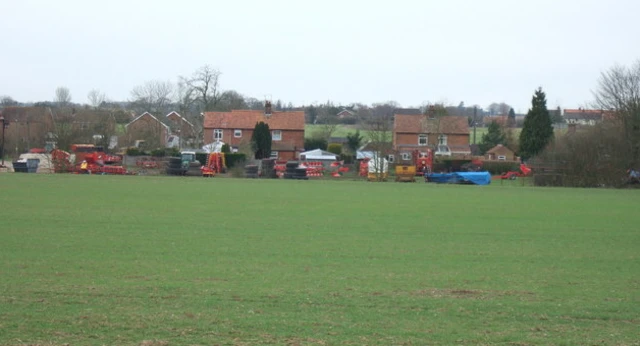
(344,130)
(341,130)
(92,260)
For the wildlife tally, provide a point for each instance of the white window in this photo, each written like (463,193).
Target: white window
(502,158)
(276,135)
(237,133)
(217,134)
(442,139)
(391,158)
(423,140)
(406,156)
(274,155)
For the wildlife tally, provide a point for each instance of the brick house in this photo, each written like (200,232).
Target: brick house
(500,153)
(182,130)
(28,127)
(235,128)
(147,128)
(445,135)
(501,120)
(584,116)
(345,113)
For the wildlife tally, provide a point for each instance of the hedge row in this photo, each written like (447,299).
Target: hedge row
(163,152)
(497,167)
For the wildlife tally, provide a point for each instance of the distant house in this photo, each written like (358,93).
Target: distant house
(370,149)
(583,116)
(236,128)
(445,135)
(345,113)
(501,120)
(183,132)
(500,153)
(48,128)
(147,131)
(27,127)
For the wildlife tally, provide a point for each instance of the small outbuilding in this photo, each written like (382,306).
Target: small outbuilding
(500,153)
(318,155)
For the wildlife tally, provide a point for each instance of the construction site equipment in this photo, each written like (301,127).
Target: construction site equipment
(186,164)
(215,164)
(378,169)
(314,168)
(82,150)
(96,164)
(513,175)
(97,161)
(406,173)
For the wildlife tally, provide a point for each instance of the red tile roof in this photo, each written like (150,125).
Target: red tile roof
(421,124)
(247,119)
(583,111)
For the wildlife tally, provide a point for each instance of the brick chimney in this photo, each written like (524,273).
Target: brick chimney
(267,108)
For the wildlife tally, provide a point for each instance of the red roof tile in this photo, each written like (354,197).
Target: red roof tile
(247,119)
(421,124)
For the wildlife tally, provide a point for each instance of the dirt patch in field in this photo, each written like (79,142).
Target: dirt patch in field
(469,294)
(154,343)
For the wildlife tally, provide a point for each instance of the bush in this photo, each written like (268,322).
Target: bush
(235,159)
(135,152)
(202,158)
(348,159)
(498,167)
(226,148)
(315,143)
(162,152)
(335,148)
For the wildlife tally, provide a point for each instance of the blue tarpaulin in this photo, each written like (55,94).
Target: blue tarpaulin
(477,178)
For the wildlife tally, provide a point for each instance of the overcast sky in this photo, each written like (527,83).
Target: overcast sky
(312,51)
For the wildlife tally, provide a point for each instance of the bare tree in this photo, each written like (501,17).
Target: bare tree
(328,122)
(153,96)
(64,131)
(104,130)
(205,83)
(378,122)
(63,96)
(618,94)
(432,122)
(7,101)
(230,100)
(499,108)
(96,98)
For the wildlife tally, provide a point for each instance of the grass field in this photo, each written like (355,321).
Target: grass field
(93,260)
(344,130)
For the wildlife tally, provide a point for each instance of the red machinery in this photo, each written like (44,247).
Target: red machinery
(98,162)
(280,167)
(216,163)
(82,150)
(364,167)
(61,161)
(314,168)
(512,175)
(423,161)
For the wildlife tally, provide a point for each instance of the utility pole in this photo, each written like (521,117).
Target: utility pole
(475,111)
(5,124)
